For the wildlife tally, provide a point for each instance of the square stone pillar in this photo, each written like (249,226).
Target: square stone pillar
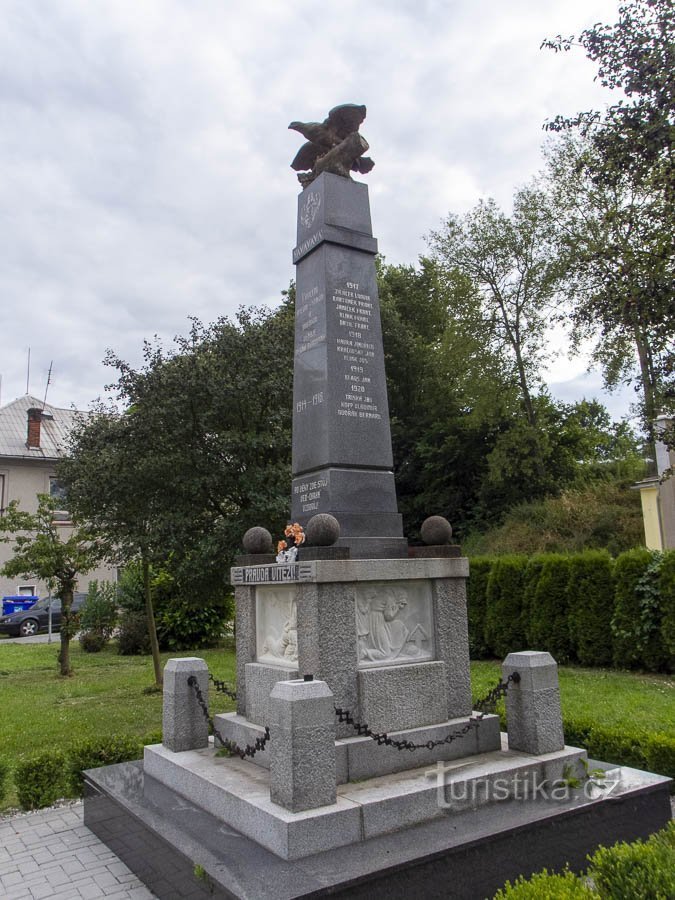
(184,726)
(302,745)
(533,715)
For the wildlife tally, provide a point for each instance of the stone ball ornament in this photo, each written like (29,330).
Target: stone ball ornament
(436,530)
(258,540)
(322,530)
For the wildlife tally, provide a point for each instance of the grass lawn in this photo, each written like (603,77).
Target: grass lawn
(106,695)
(606,697)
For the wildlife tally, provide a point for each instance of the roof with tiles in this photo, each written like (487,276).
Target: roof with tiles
(55,427)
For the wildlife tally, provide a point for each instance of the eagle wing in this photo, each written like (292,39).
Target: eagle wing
(306,156)
(346,118)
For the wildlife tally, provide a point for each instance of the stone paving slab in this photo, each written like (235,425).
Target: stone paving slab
(51,854)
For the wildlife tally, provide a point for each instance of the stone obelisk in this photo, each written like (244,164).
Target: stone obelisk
(342,458)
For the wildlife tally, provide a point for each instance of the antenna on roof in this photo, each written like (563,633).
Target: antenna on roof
(49,378)
(28,374)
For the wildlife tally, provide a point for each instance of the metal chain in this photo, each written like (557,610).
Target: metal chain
(249,750)
(222,687)
(485,705)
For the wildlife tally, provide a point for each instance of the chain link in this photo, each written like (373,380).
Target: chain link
(222,687)
(485,705)
(247,751)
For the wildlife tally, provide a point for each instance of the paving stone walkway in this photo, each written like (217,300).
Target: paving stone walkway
(50,854)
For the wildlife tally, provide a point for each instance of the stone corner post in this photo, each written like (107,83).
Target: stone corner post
(184,726)
(302,745)
(533,715)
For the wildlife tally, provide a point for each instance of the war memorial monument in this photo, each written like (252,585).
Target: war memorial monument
(355,764)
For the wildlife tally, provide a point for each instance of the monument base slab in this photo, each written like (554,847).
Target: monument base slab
(360,757)
(179,850)
(238,794)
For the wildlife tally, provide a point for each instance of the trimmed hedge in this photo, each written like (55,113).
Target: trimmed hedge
(580,608)
(40,779)
(590,584)
(96,752)
(560,886)
(548,626)
(476,600)
(4,778)
(504,630)
(44,778)
(636,871)
(642,870)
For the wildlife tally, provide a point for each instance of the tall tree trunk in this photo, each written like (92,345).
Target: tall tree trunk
(150,616)
(648,391)
(66,629)
(530,413)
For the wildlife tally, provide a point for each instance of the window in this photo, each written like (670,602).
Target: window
(58,493)
(27,590)
(2,494)
(56,490)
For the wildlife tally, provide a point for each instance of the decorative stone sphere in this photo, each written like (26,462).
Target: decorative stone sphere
(258,540)
(322,530)
(436,530)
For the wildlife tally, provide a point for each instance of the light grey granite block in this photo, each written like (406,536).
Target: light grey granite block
(238,794)
(245,625)
(184,726)
(394,698)
(452,642)
(302,746)
(260,678)
(533,714)
(327,641)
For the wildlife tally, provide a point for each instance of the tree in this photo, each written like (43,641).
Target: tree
(195,449)
(623,192)
(42,549)
(618,258)
(115,483)
(442,382)
(511,260)
(636,135)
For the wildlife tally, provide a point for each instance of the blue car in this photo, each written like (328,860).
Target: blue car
(28,622)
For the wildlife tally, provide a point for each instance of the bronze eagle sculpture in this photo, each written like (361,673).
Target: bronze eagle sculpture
(333,145)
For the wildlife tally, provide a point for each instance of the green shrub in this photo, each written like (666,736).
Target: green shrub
(185,617)
(636,623)
(643,870)
(96,752)
(40,779)
(186,623)
(132,636)
(623,746)
(667,591)
(637,871)
(546,886)
(503,615)
(548,625)
(590,602)
(530,581)
(91,641)
(659,752)
(4,778)
(98,617)
(476,588)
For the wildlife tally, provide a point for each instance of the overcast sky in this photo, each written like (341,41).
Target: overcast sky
(144,152)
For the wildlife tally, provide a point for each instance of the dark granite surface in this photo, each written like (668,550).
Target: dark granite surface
(474,852)
(342,458)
